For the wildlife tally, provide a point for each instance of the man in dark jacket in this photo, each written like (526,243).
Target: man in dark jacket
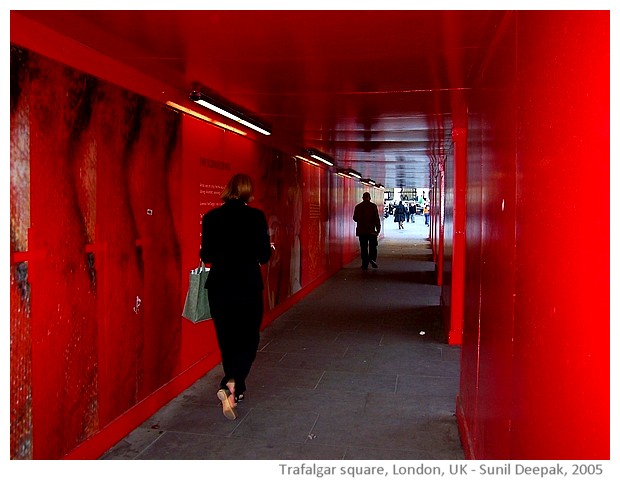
(368,227)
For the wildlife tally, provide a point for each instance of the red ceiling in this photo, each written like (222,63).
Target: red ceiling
(374,89)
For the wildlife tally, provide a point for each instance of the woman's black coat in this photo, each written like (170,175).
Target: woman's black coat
(235,241)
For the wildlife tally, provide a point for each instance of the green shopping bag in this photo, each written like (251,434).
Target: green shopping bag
(196,307)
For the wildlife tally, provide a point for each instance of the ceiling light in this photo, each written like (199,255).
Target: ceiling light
(307,160)
(321,157)
(195,114)
(353,173)
(228,111)
(348,173)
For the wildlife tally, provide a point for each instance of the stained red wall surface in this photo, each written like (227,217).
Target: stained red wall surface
(108,190)
(535,356)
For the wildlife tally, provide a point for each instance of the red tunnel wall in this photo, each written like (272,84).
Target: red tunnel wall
(107,192)
(535,357)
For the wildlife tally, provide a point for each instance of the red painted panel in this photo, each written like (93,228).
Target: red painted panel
(336,224)
(486,381)
(468,390)
(534,377)
(495,97)
(20,325)
(62,271)
(439,216)
(448,237)
(313,257)
(453,287)
(118,257)
(562,316)
(279,194)
(455,331)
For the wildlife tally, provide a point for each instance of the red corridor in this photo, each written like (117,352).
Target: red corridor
(500,120)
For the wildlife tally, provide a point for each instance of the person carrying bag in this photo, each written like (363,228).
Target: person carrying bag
(196,308)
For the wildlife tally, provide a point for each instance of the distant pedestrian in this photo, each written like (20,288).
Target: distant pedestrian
(399,215)
(412,211)
(427,213)
(366,215)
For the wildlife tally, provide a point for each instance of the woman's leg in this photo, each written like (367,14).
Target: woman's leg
(237,324)
(248,327)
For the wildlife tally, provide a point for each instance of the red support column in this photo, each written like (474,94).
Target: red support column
(439,218)
(455,330)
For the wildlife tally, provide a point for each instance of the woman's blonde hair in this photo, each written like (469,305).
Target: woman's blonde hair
(238,187)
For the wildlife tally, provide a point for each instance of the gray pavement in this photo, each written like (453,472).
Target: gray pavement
(357,370)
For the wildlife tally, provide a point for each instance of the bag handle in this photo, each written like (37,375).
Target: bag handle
(201,268)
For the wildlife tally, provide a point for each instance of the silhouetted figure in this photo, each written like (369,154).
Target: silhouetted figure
(368,227)
(412,212)
(399,214)
(235,241)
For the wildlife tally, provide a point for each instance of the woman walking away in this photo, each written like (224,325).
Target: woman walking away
(399,214)
(235,241)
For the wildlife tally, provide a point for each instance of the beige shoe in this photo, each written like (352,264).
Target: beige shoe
(231,386)
(228,403)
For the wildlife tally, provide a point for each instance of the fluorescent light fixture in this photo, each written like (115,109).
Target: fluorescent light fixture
(354,174)
(368,181)
(227,111)
(195,114)
(321,157)
(345,172)
(307,160)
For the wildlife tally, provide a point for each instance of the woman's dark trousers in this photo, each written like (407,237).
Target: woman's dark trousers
(237,320)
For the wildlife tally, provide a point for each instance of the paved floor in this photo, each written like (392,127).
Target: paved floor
(357,370)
